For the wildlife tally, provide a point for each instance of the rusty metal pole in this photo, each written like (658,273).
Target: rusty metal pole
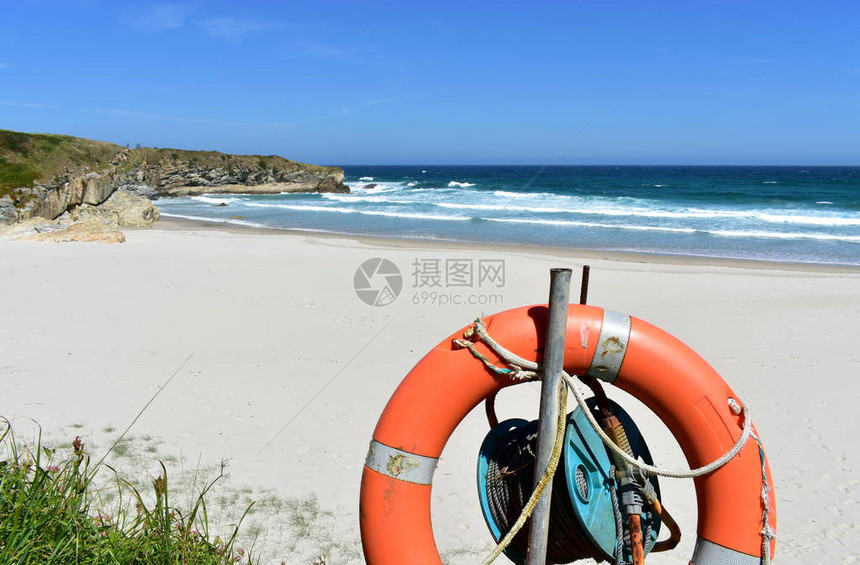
(553,359)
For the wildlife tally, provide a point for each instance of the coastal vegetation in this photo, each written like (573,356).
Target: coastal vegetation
(53,510)
(32,165)
(26,158)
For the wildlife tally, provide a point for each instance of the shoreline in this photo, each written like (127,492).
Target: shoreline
(178,223)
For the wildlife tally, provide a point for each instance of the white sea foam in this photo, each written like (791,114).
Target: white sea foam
(454,183)
(785,235)
(573,223)
(214,199)
(339,210)
(581,209)
(770,182)
(365,178)
(302,208)
(360,198)
(235,221)
(810,220)
(396,193)
(723,233)
(508,194)
(824,202)
(499,207)
(380,187)
(415,216)
(438,190)
(601,209)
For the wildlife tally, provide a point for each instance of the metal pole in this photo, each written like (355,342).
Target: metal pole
(553,359)
(583,289)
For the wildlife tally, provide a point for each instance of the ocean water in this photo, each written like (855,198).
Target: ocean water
(794,214)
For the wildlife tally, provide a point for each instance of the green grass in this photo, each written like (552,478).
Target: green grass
(214,159)
(52,511)
(30,158)
(16,175)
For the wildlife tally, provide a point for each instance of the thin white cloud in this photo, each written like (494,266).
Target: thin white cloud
(376,101)
(171,17)
(323,50)
(163,17)
(234,29)
(28,105)
(148,116)
(167,118)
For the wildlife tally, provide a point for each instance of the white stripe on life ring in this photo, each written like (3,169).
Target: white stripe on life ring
(611,346)
(400,465)
(710,553)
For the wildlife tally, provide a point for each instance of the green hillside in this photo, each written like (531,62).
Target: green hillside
(30,158)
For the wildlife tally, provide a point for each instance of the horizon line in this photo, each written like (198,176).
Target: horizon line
(594,165)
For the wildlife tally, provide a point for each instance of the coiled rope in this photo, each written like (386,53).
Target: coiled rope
(539,488)
(510,480)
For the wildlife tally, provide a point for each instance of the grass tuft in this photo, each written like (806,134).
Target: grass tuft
(52,512)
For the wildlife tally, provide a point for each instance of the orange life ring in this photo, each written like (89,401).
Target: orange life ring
(680,387)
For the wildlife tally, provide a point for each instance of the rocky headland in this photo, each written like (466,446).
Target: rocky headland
(56,181)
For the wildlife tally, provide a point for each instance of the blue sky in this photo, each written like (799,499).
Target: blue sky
(704,82)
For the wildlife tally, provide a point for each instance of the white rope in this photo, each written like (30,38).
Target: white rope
(653,469)
(767,532)
(523,368)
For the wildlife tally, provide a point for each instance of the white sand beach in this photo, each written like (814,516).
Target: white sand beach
(289,370)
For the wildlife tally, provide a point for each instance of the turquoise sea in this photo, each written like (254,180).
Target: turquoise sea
(794,214)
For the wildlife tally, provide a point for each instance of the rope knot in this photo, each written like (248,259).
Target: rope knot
(473,333)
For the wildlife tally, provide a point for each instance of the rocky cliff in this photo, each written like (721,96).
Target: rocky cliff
(43,175)
(170,172)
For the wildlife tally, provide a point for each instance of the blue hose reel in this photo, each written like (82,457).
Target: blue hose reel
(583,514)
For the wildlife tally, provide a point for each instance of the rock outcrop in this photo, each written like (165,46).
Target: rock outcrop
(47,176)
(65,192)
(86,222)
(168,173)
(40,229)
(122,209)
